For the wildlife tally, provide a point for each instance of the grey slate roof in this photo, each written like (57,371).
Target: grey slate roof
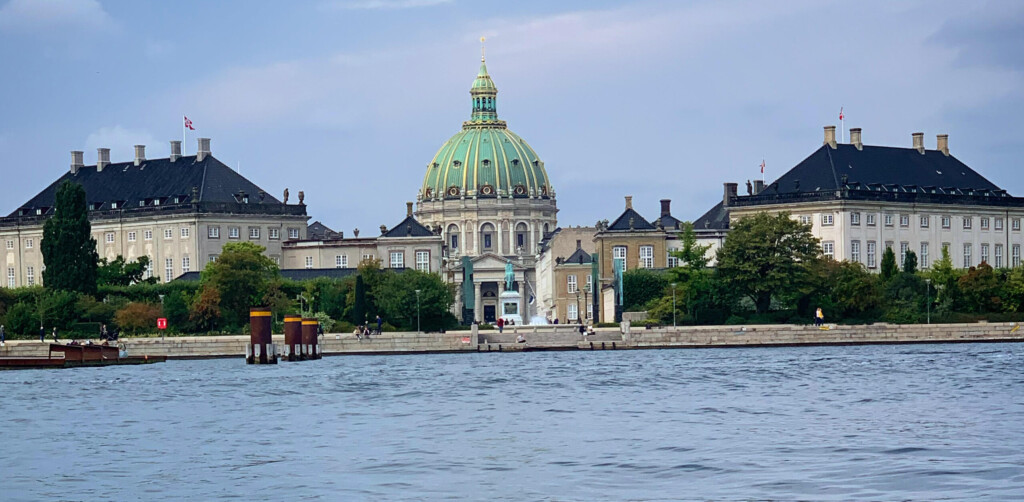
(824,170)
(317,231)
(409,227)
(717,218)
(155,179)
(622,222)
(669,222)
(578,257)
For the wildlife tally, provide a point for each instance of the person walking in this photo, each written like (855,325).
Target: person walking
(55,335)
(501,324)
(819,317)
(380,324)
(3,335)
(42,334)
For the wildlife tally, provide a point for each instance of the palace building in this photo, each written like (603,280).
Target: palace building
(860,199)
(487,193)
(178,210)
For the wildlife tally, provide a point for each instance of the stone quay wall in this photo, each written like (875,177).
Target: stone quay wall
(565,337)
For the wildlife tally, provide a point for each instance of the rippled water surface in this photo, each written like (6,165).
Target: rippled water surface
(921,422)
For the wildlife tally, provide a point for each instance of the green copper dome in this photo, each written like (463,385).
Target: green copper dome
(485,159)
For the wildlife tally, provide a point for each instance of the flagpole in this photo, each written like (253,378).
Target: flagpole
(182,135)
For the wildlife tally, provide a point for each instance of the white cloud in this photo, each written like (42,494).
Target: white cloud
(380,4)
(121,141)
(34,15)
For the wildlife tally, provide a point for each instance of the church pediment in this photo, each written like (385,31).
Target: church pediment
(492,261)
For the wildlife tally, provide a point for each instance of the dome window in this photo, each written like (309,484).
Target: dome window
(486,190)
(520,190)
(515,162)
(457,164)
(453,191)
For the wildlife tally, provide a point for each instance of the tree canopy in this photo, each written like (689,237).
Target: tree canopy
(69,251)
(241,277)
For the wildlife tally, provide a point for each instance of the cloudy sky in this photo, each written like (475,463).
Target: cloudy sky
(349,100)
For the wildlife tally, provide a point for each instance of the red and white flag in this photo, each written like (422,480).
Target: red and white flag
(762,166)
(840,113)
(188,124)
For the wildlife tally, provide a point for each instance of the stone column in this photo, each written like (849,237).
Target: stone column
(497,235)
(522,298)
(478,308)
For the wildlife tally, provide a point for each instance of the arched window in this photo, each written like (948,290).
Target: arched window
(545,230)
(487,236)
(453,237)
(522,238)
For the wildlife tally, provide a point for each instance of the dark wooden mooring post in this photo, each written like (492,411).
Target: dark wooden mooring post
(261,348)
(293,337)
(309,338)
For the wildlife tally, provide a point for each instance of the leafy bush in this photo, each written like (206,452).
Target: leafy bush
(138,317)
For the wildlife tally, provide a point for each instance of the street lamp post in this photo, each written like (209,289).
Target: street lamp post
(928,298)
(577,305)
(417,311)
(673,304)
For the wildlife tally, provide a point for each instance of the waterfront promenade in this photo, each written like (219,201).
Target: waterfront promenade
(565,337)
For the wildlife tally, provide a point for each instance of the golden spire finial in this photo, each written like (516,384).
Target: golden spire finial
(482,48)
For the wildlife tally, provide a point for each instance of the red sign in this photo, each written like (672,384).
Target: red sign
(161,323)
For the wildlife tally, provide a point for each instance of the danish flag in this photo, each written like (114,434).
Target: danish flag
(188,124)
(840,113)
(762,166)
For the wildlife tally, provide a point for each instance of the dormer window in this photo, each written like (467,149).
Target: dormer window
(156,202)
(113,205)
(39,211)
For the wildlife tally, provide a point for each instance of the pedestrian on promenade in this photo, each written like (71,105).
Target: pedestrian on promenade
(3,335)
(380,324)
(819,317)
(582,329)
(358,332)
(501,324)
(55,335)
(42,334)
(103,331)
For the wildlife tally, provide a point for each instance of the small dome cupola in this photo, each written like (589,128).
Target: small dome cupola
(484,93)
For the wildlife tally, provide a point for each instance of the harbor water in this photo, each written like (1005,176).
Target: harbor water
(893,422)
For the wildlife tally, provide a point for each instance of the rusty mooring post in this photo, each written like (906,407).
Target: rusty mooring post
(293,337)
(309,338)
(261,348)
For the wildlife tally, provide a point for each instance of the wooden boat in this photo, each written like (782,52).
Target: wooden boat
(73,356)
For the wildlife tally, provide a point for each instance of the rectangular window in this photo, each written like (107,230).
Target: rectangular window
(1015,224)
(147,234)
(587,285)
(309,262)
(671,261)
(984,253)
(828,248)
(855,219)
(904,247)
(233,232)
(487,241)
(925,221)
(967,255)
(805,219)
(619,252)
(871,254)
(397,259)
(109,237)
(10,275)
(293,233)
(341,261)
(168,269)
(276,258)
(999,256)
(967,222)
(131,236)
(923,259)
(574,314)
(213,232)
(826,219)
(28,243)
(184,232)
(455,241)
(168,233)
(888,244)
(855,251)
(984,223)
(1015,256)
(30,276)
(254,232)
(274,233)
(904,220)
(946,221)
(423,261)
(10,244)
(646,256)
(212,258)
(888,220)
(572,284)
(999,223)
(149,268)
(870,219)
(186,264)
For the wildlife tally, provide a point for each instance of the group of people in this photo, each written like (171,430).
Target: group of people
(502,323)
(364,330)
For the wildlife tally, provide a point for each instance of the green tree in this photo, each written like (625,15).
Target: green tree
(768,255)
(241,276)
(640,286)
(69,251)
(980,290)
(122,273)
(1014,290)
(910,263)
(693,280)
(692,255)
(23,319)
(359,307)
(398,300)
(889,268)
(138,317)
(176,310)
(844,291)
(205,311)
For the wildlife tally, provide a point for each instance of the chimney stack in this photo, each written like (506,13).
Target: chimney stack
(140,154)
(730,191)
(665,203)
(579,244)
(204,149)
(175,150)
(629,202)
(943,144)
(758,186)
(408,208)
(830,136)
(919,142)
(855,138)
(102,159)
(77,160)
